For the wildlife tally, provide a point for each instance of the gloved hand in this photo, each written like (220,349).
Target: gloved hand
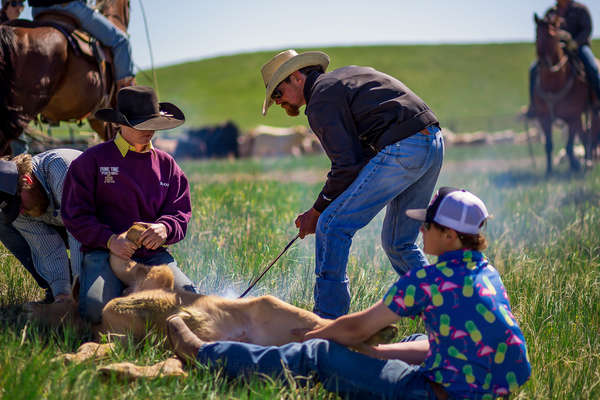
(565,37)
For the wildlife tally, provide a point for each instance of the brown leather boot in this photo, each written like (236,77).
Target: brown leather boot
(127,81)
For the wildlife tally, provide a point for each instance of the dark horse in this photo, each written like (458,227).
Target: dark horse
(561,92)
(41,74)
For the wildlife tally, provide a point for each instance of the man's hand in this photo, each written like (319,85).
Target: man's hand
(154,236)
(121,246)
(307,222)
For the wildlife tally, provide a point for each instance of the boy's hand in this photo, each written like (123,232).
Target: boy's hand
(121,246)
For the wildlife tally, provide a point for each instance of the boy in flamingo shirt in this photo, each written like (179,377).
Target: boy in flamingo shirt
(473,349)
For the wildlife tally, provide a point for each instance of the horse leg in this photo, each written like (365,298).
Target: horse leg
(546,124)
(575,129)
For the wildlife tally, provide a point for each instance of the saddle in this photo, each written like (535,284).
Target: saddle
(82,43)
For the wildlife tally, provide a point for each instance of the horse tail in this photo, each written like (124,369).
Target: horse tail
(11,122)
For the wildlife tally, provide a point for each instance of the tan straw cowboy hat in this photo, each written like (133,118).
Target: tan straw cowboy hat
(138,107)
(283,65)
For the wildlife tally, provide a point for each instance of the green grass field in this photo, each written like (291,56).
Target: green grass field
(544,242)
(470,87)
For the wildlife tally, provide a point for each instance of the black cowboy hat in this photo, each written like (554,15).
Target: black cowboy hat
(138,107)
(10,203)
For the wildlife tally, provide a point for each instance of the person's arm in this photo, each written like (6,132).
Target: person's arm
(177,208)
(330,117)
(406,298)
(411,352)
(585,27)
(49,253)
(355,328)
(78,204)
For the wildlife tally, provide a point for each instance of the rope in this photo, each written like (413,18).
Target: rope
(154,79)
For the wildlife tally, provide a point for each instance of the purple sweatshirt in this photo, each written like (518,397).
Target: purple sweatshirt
(106,192)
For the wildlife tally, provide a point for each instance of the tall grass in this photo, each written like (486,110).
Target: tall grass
(544,241)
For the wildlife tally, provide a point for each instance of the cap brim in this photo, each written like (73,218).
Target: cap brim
(418,214)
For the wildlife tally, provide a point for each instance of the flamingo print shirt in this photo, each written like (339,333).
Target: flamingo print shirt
(476,348)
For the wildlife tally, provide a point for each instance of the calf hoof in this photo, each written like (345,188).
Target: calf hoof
(130,372)
(86,351)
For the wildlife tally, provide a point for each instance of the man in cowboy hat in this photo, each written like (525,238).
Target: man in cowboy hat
(385,147)
(115,184)
(30,224)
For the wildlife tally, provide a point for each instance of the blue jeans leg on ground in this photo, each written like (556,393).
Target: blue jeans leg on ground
(591,68)
(400,176)
(351,374)
(102,29)
(18,246)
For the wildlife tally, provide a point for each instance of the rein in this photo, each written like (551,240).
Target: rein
(554,67)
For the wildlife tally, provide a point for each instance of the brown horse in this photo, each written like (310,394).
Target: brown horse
(561,92)
(41,74)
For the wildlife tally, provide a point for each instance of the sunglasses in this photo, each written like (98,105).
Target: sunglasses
(276,93)
(17,3)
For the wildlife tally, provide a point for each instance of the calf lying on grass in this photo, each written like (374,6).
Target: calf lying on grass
(263,320)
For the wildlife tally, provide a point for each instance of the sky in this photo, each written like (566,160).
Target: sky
(189,30)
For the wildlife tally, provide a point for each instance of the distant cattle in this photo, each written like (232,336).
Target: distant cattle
(217,141)
(266,141)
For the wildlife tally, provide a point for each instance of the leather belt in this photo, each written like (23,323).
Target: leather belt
(439,391)
(426,131)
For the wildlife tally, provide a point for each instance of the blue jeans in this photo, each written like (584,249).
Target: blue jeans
(12,239)
(101,28)
(401,176)
(99,285)
(340,370)
(591,69)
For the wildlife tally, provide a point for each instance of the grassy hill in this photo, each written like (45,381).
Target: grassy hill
(470,87)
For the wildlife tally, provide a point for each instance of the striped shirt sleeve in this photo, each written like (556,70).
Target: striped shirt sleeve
(48,251)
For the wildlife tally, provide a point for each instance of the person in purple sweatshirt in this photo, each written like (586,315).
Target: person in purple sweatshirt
(117,183)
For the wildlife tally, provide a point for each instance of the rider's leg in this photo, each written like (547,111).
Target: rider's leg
(102,29)
(533,71)
(591,68)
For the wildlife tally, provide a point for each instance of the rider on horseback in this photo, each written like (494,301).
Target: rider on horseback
(98,26)
(11,9)
(576,30)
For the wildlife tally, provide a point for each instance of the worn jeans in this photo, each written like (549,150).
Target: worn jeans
(12,239)
(401,176)
(340,370)
(99,285)
(93,22)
